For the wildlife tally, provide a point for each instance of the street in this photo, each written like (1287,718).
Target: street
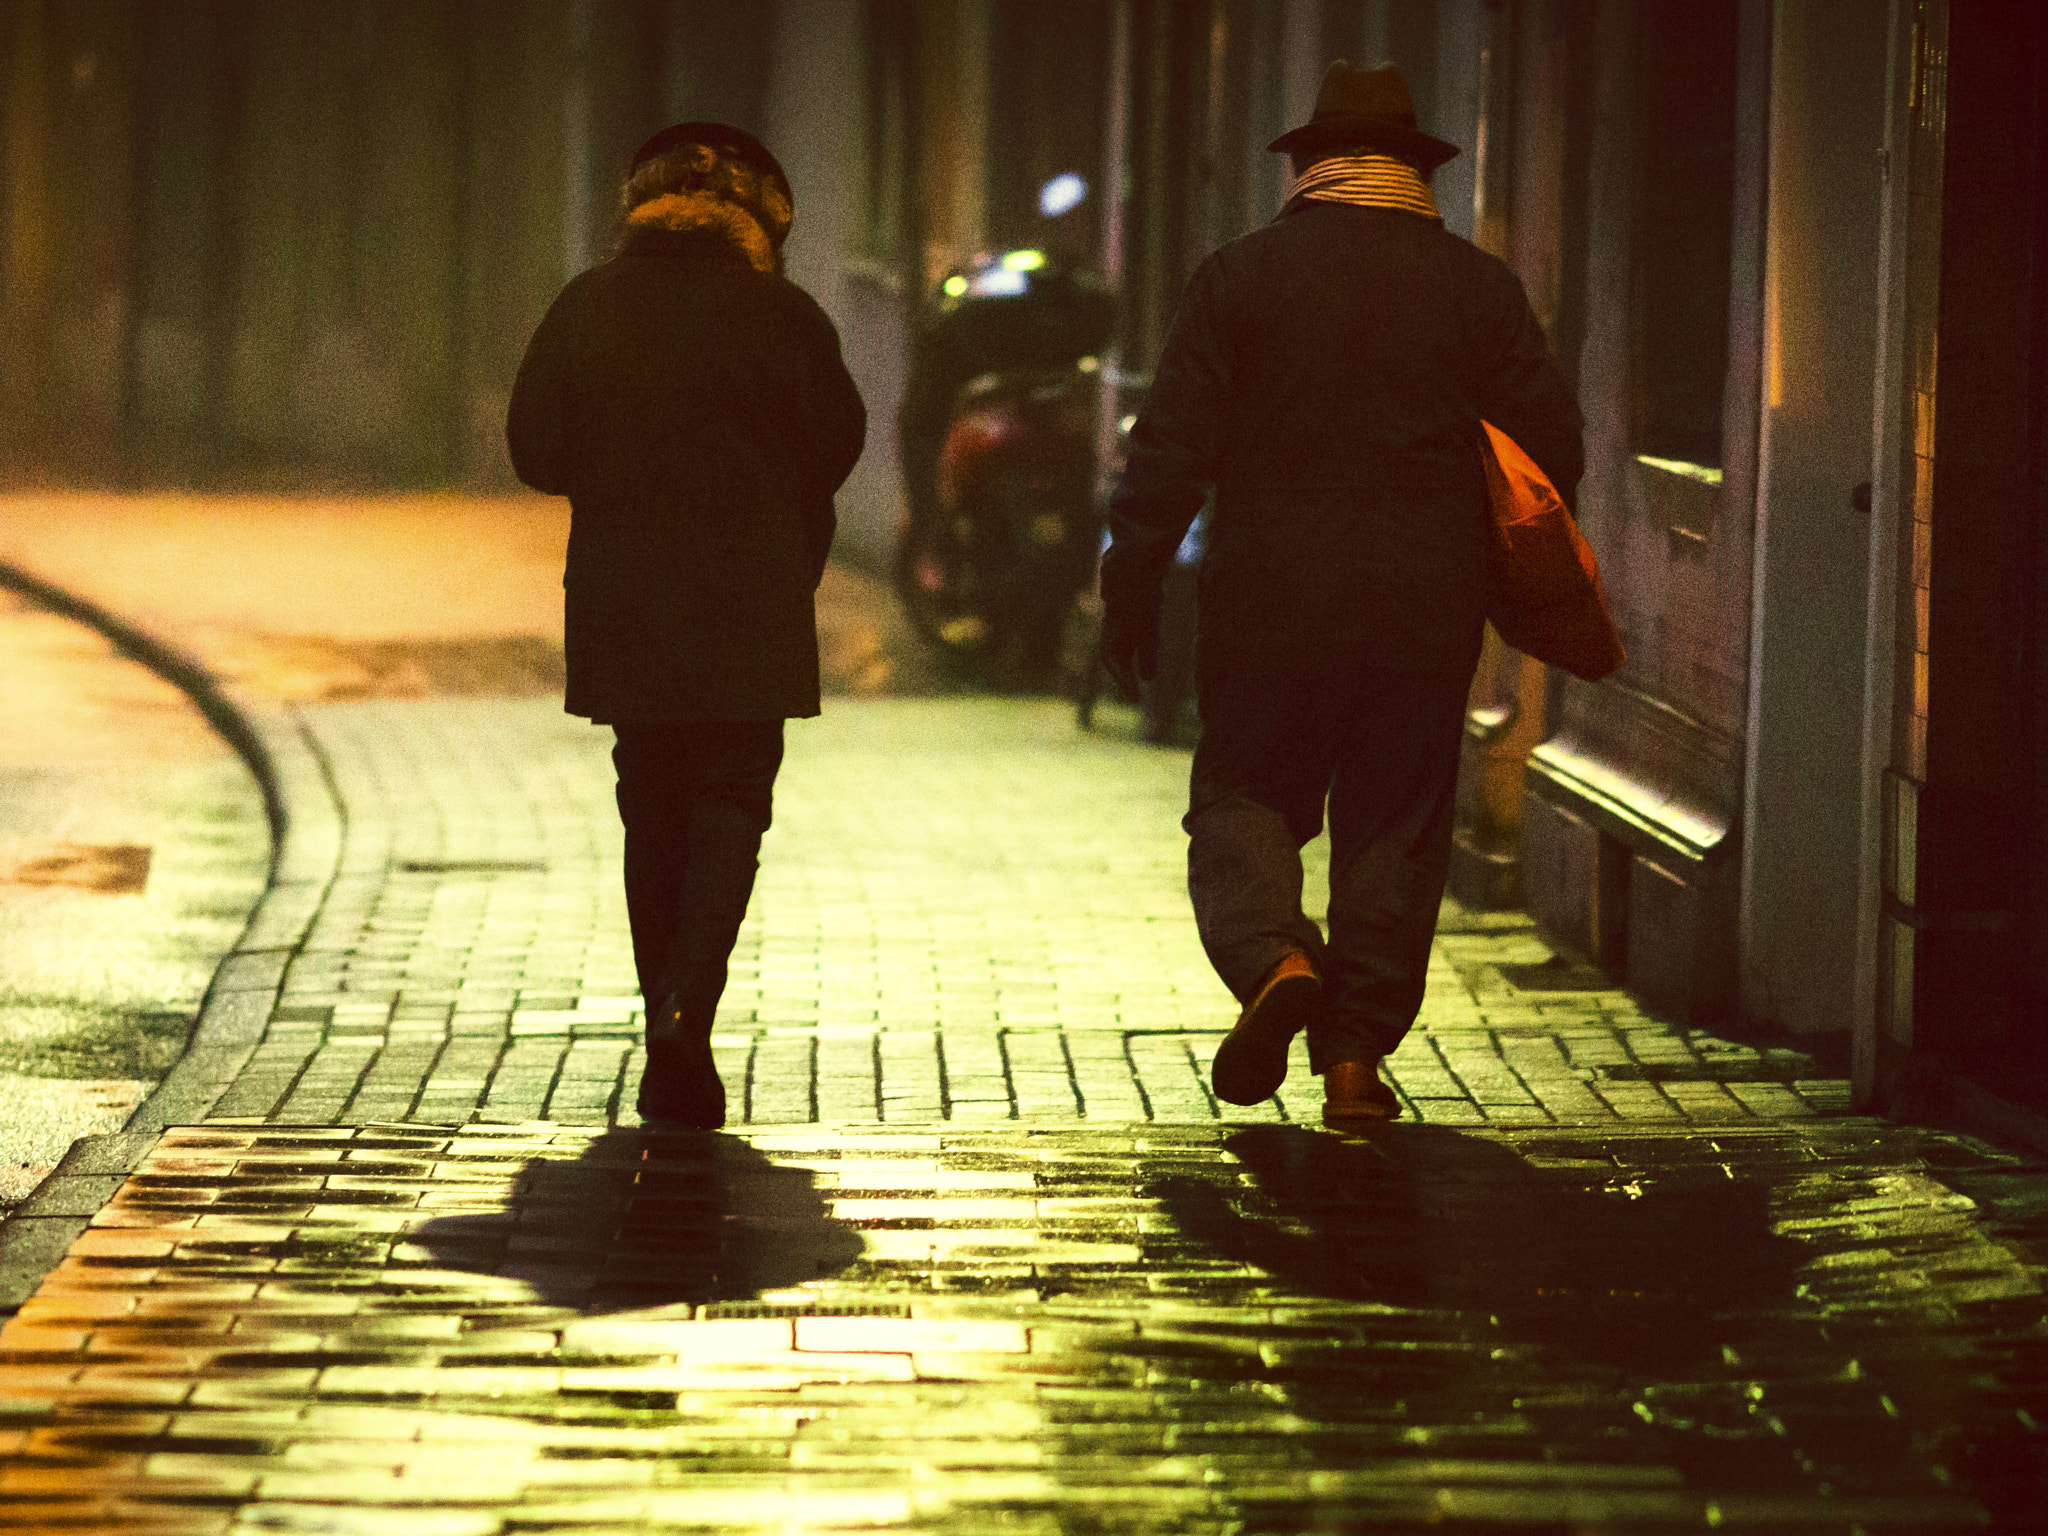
(384,1248)
(132,849)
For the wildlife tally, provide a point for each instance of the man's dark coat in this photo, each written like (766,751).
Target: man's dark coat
(698,417)
(1328,374)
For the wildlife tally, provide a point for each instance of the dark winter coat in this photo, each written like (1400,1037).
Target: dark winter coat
(696,413)
(1327,374)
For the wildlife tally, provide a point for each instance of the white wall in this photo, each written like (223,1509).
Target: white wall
(1802,791)
(814,125)
(1454,116)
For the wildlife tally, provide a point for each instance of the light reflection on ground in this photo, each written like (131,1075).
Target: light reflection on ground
(1144,1328)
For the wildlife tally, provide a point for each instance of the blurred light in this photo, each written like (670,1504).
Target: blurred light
(1064,192)
(1002,282)
(1024,261)
(1089,364)
(1127,423)
(955,286)
(1706,474)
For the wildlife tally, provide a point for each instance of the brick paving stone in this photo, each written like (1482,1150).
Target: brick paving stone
(1192,1327)
(966,910)
(983,1248)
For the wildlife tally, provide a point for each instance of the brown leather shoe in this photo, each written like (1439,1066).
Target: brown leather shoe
(1354,1096)
(1251,1064)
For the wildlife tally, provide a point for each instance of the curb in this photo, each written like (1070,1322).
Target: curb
(177,669)
(304,815)
(1943,1094)
(1991,1115)
(236,1008)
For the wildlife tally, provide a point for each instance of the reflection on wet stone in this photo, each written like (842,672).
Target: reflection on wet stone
(645,1220)
(1426,1217)
(1137,1329)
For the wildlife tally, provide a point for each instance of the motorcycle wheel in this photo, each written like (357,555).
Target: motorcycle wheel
(927,585)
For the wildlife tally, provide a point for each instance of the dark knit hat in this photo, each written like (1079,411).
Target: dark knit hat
(1370,108)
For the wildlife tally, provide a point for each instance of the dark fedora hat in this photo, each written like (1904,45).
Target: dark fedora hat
(1370,108)
(719,136)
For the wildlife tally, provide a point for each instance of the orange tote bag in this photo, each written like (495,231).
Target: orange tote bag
(1546,600)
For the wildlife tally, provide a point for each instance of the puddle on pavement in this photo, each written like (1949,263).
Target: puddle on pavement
(105,869)
(319,668)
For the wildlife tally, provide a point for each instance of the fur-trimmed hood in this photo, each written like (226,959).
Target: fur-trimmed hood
(706,213)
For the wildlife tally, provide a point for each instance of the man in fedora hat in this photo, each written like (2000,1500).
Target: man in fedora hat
(691,403)
(1326,376)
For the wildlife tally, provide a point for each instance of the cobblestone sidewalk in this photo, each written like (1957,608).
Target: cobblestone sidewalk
(968,910)
(1803,1327)
(981,1255)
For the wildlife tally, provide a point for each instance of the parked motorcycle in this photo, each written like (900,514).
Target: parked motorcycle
(996,435)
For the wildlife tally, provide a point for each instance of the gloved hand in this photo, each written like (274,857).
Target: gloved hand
(1130,647)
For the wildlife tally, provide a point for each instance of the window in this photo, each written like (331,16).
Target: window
(1683,231)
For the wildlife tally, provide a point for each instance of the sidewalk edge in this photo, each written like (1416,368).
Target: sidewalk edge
(175,668)
(1959,1099)
(39,1231)
(304,819)
(236,1009)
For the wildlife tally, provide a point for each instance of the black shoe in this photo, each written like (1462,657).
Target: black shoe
(679,1085)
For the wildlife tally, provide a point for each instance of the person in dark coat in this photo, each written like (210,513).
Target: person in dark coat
(1327,376)
(691,403)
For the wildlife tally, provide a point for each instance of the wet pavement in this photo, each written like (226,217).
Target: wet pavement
(1183,1327)
(132,850)
(386,1253)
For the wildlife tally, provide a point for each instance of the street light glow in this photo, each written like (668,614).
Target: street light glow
(1064,193)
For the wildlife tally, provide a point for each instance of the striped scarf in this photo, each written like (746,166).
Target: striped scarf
(1371,181)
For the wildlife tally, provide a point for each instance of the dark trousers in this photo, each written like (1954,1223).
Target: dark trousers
(695,798)
(1383,751)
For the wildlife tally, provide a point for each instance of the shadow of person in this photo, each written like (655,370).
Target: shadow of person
(1617,1269)
(648,1219)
